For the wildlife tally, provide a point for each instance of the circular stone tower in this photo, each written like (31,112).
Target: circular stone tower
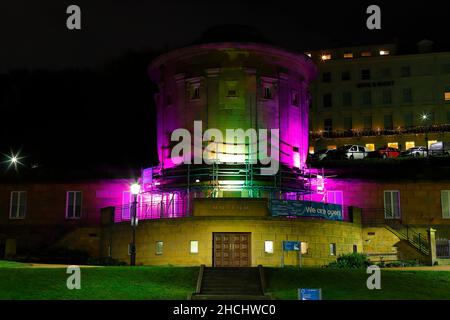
(234,85)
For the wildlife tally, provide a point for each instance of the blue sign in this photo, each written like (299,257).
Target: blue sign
(296,208)
(291,246)
(309,294)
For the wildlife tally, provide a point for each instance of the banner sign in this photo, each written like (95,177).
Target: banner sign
(291,245)
(294,208)
(309,294)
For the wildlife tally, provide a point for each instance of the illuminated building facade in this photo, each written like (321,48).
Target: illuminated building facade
(379,96)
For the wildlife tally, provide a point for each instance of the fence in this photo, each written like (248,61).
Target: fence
(443,248)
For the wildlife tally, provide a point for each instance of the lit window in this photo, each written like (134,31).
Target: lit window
(194,246)
(365,74)
(326,56)
(73,205)
(370,146)
(393,145)
(311,150)
(384,52)
(348,55)
(447,95)
(410,144)
(430,142)
(304,247)
(268,246)
(332,147)
(159,247)
(445,203)
(332,249)
(366,54)
(18,205)
(392,204)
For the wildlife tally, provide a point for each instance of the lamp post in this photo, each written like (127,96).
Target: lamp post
(424,118)
(135,188)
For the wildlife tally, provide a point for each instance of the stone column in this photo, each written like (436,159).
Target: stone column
(432,243)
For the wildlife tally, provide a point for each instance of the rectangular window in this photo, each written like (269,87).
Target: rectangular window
(447,95)
(326,77)
(348,123)
(332,147)
(430,142)
(445,203)
(388,122)
(195,92)
(267,92)
(194,246)
(384,52)
(408,120)
(326,56)
(73,204)
(304,247)
(348,55)
(367,122)
(294,98)
(392,204)
(232,93)
(328,125)
(355,248)
(346,99)
(370,146)
(159,247)
(365,74)
(387,96)
(366,98)
(407,95)
(405,71)
(335,197)
(346,76)
(268,246)
(18,205)
(385,72)
(127,199)
(311,150)
(332,249)
(327,100)
(366,54)
(393,145)
(409,144)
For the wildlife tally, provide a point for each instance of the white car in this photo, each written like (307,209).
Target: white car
(415,152)
(352,151)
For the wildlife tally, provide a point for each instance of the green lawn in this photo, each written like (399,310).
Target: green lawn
(351,284)
(19,281)
(98,283)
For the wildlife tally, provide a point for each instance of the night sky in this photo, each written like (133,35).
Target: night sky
(82,98)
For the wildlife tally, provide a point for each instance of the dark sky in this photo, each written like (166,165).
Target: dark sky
(78,94)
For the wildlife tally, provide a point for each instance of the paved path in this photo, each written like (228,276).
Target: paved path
(422,268)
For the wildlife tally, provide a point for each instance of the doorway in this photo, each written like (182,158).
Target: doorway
(231,249)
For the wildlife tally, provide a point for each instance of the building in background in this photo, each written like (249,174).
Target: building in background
(378,96)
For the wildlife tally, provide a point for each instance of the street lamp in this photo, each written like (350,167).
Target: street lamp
(134,189)
(424,118)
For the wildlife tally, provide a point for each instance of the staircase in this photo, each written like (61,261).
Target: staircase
(230,284)
(404,232)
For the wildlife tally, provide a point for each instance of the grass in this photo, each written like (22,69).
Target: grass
(351,284)
(20,282)
(111,283)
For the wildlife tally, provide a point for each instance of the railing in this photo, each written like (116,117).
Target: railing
(378,132)
(382,217)
(153,210)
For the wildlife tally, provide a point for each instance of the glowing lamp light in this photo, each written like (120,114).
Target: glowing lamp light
(424,116)
(135,188)
(197,180)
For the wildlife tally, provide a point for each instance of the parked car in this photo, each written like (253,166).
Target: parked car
(439,149)
(387,152)
(351,151)
(415,152)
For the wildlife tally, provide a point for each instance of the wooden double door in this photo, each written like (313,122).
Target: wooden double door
(231,249)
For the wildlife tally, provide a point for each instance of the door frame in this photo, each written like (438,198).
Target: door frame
(249,248)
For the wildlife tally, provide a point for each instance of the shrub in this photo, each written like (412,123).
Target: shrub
(105,261)
(350,261)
